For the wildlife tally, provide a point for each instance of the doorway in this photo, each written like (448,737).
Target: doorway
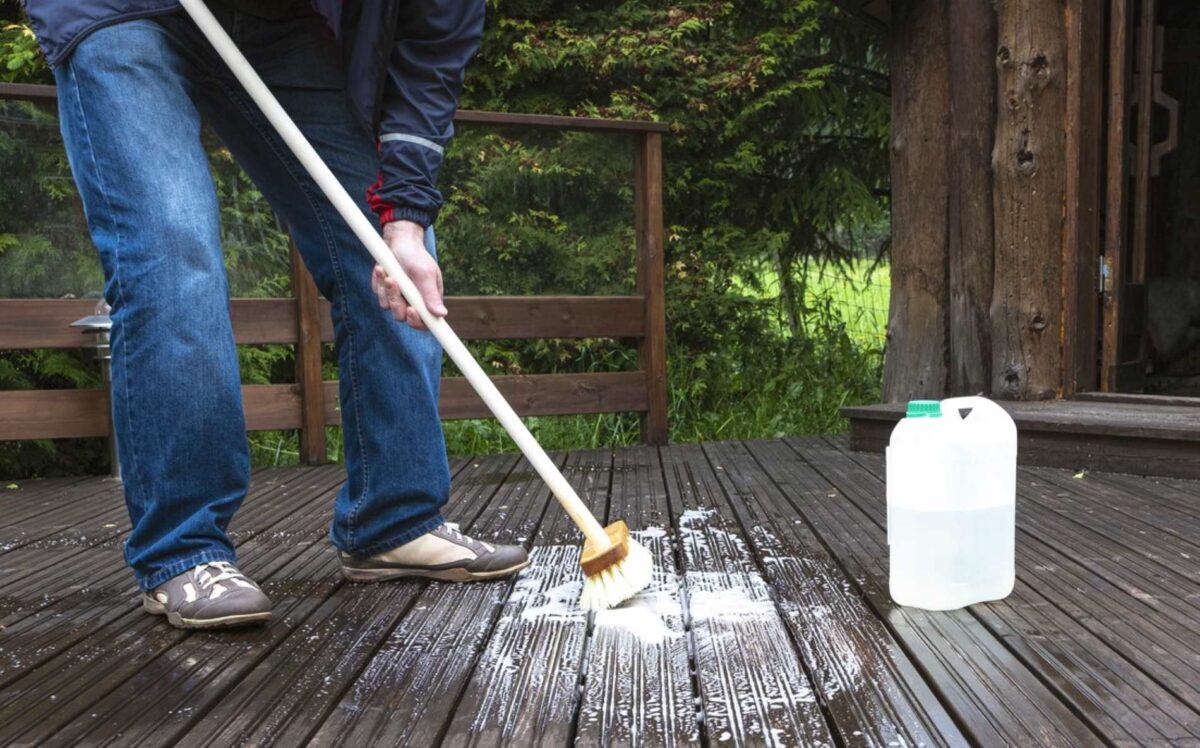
(1151,268)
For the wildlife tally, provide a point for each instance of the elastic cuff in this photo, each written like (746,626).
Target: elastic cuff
(175,568)
(395,541)
(406,213)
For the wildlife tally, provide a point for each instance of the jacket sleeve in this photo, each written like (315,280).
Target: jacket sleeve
(434,41)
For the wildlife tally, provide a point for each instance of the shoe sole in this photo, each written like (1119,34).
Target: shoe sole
(154,607)
(442,575)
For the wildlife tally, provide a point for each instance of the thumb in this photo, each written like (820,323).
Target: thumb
(432,294)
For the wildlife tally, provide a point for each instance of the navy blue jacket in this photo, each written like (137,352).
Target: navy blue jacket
(404,69)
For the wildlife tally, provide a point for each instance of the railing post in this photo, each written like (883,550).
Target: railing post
(308,363)
(648,221)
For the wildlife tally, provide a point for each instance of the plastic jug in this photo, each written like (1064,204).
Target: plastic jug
(951,503)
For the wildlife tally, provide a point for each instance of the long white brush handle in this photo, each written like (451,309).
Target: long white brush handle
(379,249)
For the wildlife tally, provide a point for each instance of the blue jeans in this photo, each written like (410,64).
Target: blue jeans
(132,98)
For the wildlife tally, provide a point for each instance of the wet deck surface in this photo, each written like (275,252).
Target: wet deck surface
(768,622)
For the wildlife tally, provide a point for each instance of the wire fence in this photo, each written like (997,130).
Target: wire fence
(857,295)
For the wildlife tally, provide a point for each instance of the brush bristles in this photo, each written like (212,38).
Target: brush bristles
(619,582)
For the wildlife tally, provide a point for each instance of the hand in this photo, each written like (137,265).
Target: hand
(407,240)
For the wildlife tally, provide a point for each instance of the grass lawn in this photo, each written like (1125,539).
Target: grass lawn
(858,295)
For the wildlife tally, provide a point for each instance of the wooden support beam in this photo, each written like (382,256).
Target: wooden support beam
(1116,222)
(1029,195)
(1081,240)
(652,352)
(971,245)
(1144,133)
(915,365)
(308,364)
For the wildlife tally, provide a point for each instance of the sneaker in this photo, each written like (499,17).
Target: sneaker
(444,553)
(212,595)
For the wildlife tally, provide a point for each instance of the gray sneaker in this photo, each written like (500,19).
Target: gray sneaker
(212,595)
(444,553)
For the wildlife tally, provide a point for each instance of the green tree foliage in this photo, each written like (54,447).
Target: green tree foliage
(775,165)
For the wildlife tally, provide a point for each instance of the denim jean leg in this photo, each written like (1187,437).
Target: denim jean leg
(397,473)
(132,134)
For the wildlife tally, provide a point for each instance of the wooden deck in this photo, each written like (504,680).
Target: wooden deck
(769,621)
(1138,434)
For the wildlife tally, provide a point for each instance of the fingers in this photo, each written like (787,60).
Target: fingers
(378,278)
(395,300)
(431,292)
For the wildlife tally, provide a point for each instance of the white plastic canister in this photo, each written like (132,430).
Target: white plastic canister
(951,503)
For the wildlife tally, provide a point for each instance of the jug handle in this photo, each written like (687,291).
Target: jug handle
(957,404)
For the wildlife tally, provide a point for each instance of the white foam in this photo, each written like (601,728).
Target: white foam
(727,604)
(648,533)
(641,617)
(692,516)
(560,603)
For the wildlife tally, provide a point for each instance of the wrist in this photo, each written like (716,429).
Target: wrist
(403,229)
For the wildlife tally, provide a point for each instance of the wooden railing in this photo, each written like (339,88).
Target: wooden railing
(303,320)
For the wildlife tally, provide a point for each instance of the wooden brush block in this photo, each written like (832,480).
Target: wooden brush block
(596,560)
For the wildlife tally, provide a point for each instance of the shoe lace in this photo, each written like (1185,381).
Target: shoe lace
(453,529)
(224,571)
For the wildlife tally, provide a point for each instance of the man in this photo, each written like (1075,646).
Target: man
(374,86)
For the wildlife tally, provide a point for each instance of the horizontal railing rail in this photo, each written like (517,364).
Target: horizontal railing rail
(303,321)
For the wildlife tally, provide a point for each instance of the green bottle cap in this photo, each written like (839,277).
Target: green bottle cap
(924,409)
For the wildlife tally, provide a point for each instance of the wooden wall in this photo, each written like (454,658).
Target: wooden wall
(995,146)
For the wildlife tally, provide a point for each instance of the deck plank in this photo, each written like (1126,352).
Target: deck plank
(38,494)
(290,692)
(45,504)
(753,684)
(638,689)
(524,690)
(995,698)
(98,601)
(1089,671)
(164,699)
(867,683)
(115,646)
(1060,621)
(70,563)
(407,692)
(769,605)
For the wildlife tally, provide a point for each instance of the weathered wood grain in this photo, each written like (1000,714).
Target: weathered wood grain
(971,241)
(993,696)
(61,414)
(105,632)
(638,689)
(1131,688)
(1096,644)
(1116,190)
(153,682)
(1085,25)
(44,323)
(308,363)
(1029,193)
(753,682)
(871,690)
(300,688)
(85,559)
(525,688)
(651,251)
(915,365)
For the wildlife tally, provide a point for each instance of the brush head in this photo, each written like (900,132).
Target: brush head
(616,573)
